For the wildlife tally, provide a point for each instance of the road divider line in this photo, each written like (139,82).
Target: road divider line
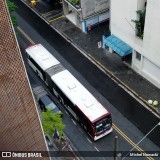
(88,56)
(130,141)
(66,112)
(96,149)
(25,35)
(81,130)
(44,14)
(74,122)
(124,86)
(89,140)
(56,19)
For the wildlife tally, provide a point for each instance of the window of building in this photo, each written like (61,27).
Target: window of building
(138,56)
(145,4)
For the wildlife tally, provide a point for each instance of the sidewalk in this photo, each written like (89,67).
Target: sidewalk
(62,147)
(64,150)
(61,150)
(110,62)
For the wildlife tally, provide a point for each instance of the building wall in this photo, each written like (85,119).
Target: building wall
(91,7)
(89,13)
(20,128)
(150,67)
(120,21)
(151,33)
(121,25)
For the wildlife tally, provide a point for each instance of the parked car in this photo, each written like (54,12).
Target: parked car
(46,102)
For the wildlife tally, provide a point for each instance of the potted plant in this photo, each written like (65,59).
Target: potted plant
(139,24)
(75,3)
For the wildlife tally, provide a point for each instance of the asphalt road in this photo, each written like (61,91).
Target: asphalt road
(105,90)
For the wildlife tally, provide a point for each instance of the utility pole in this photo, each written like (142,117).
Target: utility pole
(116,147)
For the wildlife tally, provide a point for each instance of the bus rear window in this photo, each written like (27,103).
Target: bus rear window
(103,124)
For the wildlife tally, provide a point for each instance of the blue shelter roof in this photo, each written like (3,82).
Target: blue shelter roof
(117,45)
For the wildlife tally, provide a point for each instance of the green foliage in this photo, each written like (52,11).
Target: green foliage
(14,21)
(140,23)
(50,121)
(12,7)
(74,2)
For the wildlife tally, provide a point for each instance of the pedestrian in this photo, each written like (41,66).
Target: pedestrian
(63,138)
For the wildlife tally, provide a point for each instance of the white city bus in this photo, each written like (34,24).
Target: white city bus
(81,104)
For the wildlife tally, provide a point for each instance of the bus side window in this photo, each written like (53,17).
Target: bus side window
(38,67)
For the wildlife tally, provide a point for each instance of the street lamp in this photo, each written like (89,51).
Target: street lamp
(141,140)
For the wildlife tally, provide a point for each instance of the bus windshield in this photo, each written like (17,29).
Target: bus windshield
(103,124)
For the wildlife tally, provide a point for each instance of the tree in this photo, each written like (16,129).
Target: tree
(51,121)
(12,7)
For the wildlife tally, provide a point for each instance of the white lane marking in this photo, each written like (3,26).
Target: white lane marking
(74,122)
(96,149)
(66,112)
(81,131)
(88,140)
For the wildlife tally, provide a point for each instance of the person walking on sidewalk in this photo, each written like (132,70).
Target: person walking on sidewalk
(63,139)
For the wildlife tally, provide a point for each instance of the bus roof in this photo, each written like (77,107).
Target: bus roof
(41,56)
(79,95)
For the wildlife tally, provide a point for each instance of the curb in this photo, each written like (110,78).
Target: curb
(124,86)
(99,65)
